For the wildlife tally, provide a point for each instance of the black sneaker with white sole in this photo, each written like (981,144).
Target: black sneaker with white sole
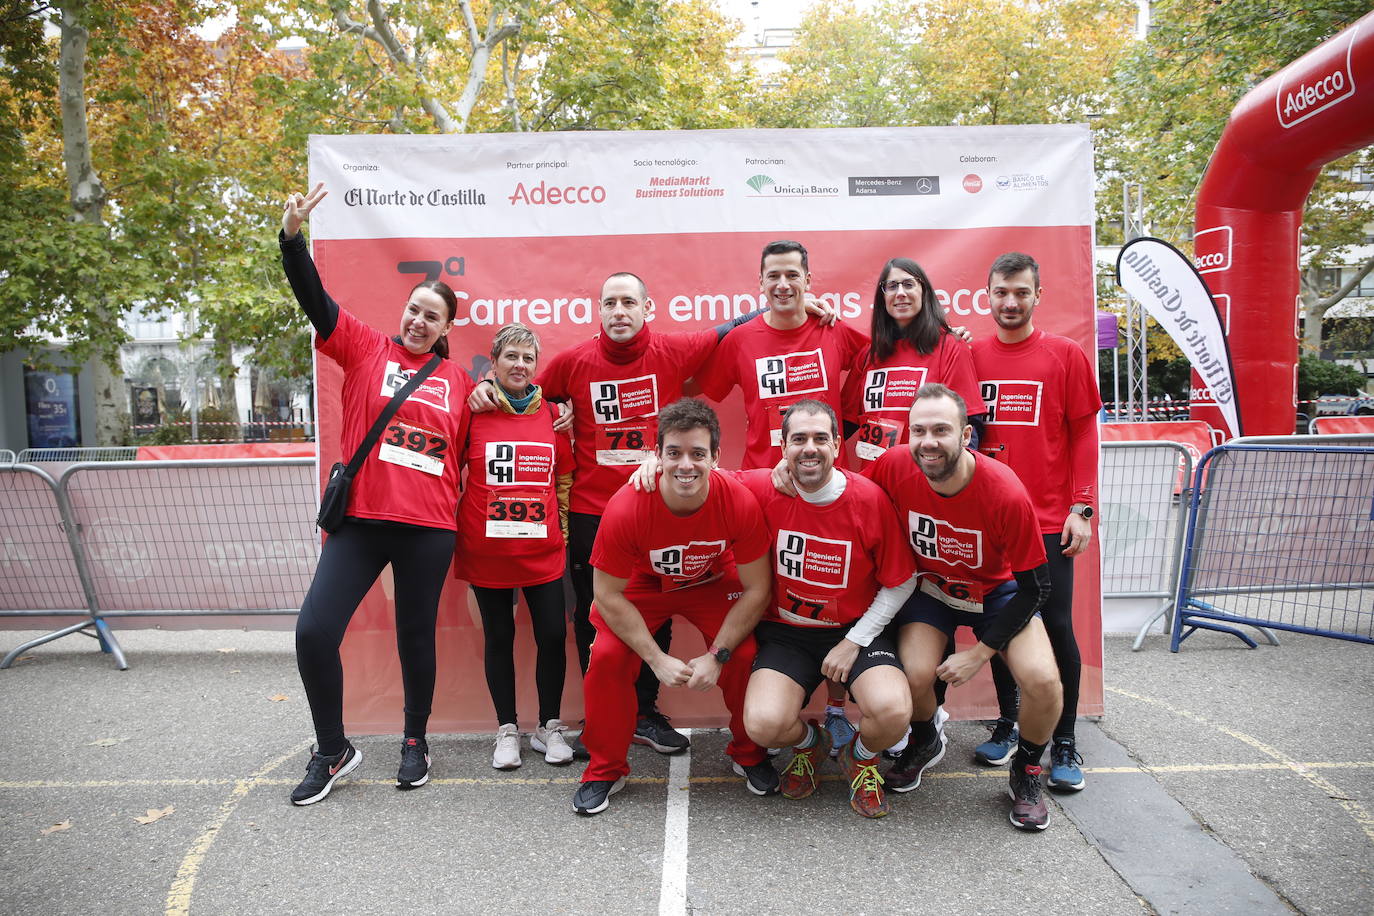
(657,732)
(414,771)
(905,774)
(594,796)
(760,778)
(322,772)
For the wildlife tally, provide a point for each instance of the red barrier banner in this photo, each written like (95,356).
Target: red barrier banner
(525,227)
(1343,426)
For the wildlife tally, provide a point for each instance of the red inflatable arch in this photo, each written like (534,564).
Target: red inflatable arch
(1249,212)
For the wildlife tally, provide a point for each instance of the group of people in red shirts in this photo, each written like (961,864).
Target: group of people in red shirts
(975,491)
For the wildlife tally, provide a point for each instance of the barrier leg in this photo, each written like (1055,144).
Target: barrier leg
(1163,610)
(101,627)
(109,644)
(1194,624)
(1269,635)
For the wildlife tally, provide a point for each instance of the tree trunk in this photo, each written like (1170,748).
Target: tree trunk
(88,206)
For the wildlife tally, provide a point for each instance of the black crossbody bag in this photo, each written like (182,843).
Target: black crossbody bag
(334,499)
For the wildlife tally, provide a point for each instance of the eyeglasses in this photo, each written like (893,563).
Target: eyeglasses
(892,286)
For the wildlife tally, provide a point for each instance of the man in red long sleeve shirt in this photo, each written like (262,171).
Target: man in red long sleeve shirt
(1042,403)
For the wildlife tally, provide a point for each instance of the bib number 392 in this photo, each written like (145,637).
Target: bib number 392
(413,448)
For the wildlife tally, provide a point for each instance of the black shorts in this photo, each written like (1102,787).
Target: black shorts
(922,608)
(798,652)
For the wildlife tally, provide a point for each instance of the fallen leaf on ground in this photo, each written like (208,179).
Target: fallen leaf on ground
(56,828)
(155,814)
(278,698)
(26,658)
(106,742)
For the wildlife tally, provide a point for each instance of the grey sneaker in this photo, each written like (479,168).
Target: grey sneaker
(548,740)
(507,753)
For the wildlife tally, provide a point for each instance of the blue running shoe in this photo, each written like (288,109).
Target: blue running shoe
(841,731)
(998,749)
(1065,773)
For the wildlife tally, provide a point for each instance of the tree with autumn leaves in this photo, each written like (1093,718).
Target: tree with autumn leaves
(142,164)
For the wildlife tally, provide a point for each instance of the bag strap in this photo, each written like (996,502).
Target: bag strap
(387,413)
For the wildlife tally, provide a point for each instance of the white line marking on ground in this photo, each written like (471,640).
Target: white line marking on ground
(672,892)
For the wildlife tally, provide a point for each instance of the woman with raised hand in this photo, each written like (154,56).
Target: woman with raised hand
(400,509)
(512,522)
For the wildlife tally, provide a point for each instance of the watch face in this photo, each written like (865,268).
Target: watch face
(722,655)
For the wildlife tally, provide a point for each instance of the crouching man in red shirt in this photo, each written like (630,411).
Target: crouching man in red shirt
(696,548)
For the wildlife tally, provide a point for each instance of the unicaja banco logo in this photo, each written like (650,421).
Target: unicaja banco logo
(759,182)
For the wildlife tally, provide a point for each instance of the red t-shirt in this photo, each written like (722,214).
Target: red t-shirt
(1032,391)
(878,396)
(508,530)
(969,543)
(829,561)
(656,551)
(412,474)
(774,369)
(616,406)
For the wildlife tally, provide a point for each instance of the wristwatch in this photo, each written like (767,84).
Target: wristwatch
(721,654)
(1082,509)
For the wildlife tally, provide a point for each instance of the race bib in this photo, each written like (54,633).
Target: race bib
(808,610)
(876,435)
(412,447)
(516,515)
(625,443)
(954,593)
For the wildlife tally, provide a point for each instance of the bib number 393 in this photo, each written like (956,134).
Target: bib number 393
(516,517)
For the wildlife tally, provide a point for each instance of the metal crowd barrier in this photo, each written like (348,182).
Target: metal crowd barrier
(174,538)
(1282,537)
(1143,502)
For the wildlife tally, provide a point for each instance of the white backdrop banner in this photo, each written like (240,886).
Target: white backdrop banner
(526,227)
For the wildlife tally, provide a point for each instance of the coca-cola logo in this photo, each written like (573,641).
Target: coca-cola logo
(973,184)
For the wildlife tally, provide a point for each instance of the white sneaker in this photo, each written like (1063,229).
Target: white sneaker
(507,753)
(548,739)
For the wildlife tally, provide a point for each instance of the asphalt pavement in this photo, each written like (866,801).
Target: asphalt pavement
(1220,780)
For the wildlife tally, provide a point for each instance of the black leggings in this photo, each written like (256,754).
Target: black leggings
(1057,613)
(352,559)
(581,535)
(550,632)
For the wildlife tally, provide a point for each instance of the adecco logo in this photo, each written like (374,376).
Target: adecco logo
(1313,96)
(1212,249)
(541,194)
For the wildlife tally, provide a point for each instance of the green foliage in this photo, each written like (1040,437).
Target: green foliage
(949,62)
(1318,376)
(1178,89)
